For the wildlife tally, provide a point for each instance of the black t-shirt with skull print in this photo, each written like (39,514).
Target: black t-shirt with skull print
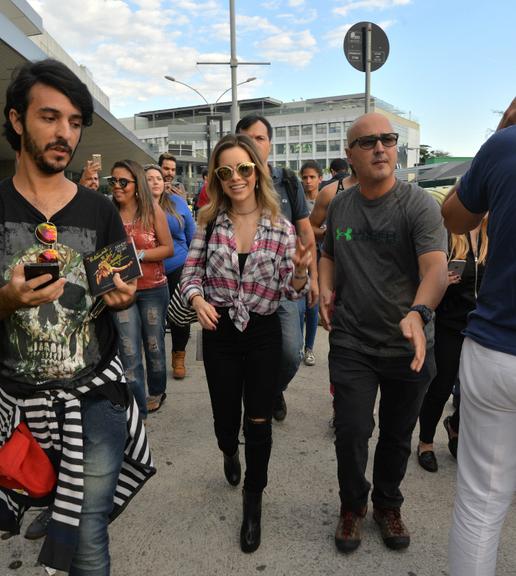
(56,344)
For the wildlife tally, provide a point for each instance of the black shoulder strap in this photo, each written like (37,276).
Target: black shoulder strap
(209,231)
(290,181)
(340,187)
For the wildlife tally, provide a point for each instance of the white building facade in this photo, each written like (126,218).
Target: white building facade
(302,130)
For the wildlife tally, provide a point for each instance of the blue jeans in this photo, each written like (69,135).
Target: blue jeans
(143,324)
(312,317)
(104,436)
(291,342)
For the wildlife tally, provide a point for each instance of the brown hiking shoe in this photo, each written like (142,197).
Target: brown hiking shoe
(349,530)
(178,365)
(394,532)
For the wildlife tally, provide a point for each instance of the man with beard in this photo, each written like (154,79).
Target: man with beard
(90,175)
(60,376)
(168,164)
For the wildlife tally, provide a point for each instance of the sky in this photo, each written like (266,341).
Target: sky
(451,66)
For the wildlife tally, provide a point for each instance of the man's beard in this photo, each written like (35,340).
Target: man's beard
(37,153)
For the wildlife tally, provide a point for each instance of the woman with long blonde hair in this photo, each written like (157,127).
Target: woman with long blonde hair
(143,323)
(243,258)
(469,252)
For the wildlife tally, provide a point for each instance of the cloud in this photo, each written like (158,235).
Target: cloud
(295,48)
(295,3)
(350,5)
(244,25)
(271,5)
(305,17)
(195,7)
(335,37)
(276,43)
(129,45)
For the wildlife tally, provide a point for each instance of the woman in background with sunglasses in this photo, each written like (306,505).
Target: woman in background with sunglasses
(182,227)
(143,324)
(235,284)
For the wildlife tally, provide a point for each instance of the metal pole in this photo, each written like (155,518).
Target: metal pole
(208,137)
(368,66)
(233,62)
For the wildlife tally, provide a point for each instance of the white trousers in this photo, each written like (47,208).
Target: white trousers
(486,473)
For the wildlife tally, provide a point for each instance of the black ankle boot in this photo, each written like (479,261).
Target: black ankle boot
(250,533)
(232,469)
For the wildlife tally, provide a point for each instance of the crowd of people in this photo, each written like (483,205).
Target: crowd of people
(416,307)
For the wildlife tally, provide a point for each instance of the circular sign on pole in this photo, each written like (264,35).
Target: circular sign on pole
(355,46)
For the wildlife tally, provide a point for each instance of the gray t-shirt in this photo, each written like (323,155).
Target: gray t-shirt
(295,212)
(375,245)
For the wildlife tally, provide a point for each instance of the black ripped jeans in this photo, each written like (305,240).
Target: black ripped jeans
(244,366)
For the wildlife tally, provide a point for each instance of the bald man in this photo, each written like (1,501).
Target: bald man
(382,273)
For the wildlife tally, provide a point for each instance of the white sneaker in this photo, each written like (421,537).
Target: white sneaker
(309,357)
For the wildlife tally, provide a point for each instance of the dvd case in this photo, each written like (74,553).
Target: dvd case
(118,257)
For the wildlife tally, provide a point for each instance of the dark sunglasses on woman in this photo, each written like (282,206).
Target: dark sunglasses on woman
(122,182)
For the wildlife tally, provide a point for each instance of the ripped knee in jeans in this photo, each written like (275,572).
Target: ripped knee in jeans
(153,316)
(257,430)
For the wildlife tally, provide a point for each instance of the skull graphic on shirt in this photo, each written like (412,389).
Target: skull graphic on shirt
(51,339)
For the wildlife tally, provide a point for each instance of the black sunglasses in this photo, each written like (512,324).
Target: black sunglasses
(244,169)
(122,182)
(388,139)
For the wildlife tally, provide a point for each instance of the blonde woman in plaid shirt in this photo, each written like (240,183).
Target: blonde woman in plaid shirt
(235,284)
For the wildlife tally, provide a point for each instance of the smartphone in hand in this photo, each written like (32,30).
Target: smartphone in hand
(457,266)
(34,270)
(97,159)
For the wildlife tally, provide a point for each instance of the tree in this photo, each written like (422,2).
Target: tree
(426,152)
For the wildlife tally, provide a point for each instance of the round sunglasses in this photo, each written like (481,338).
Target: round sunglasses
(122,182)
(244,169)
(46,233)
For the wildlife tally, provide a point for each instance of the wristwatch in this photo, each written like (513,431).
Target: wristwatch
(141,255)
(425,312)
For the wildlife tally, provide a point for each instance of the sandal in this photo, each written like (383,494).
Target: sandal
(154,402)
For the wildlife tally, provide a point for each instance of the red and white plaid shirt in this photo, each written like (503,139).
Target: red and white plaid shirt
(266,277)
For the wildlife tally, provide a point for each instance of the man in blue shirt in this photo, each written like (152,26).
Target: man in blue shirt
(486,476)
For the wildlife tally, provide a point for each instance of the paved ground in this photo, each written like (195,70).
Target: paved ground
(186,520)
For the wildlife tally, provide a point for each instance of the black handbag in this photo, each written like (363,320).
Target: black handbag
(177,312)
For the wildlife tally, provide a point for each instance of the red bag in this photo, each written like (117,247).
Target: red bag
(25,466)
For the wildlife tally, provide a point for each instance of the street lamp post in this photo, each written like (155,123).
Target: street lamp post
(172,79)
(233,64)
(228,89)
(211,106)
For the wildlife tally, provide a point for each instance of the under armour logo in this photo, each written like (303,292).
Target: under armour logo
(347,234)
